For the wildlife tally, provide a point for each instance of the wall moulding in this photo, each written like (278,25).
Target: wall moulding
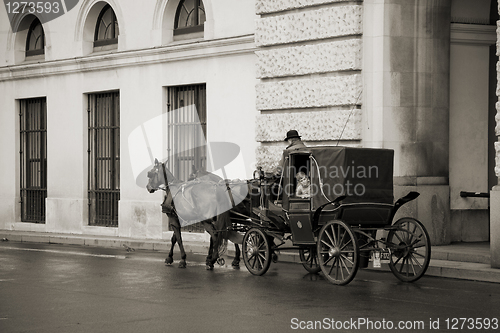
(267,7)
(473,34)
(177,52)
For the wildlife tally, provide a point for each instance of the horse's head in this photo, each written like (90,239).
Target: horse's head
(156,177)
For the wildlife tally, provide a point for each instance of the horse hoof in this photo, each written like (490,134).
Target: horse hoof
(182,264)
(235,265)
(275,257)
(169,260)
(209,267)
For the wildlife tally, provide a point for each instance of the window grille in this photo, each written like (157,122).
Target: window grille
(33,152)
(186,132)
(104,158)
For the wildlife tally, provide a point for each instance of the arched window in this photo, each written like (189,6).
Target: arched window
(106,30)
(190,17)
(35,42)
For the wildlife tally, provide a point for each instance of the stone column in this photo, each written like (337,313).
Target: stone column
(495,191)
(406,47)
(309,67)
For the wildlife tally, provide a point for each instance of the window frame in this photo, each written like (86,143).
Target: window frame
(107,41)
(191,29)
(35,52)
(33,159)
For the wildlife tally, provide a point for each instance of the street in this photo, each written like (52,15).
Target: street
(62,288)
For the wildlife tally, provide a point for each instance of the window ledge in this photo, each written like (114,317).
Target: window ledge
(191,36)
(185,41)
(105,49)
(34,59)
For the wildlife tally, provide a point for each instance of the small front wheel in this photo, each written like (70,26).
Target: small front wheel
(410,249)
(256,251)
(338,252)
(309,259)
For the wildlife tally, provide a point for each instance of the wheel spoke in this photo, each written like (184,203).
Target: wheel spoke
(330,238)
(419,246)
(346,258)
(402,266)
(419,254)
(343,236)
(333,264)
(254,262)
(263,256)
(330,246)
(343,247)
(261,263)
(396,262)
(346,268)
(413,259)
(328,260)
(397,236)
(334,241)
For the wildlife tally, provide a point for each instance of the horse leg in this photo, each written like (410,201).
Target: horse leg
(236,238)
(208,260)
(177,233)
(213,253)
(236,262)
(170,259)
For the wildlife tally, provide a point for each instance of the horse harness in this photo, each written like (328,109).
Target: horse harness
(168,206)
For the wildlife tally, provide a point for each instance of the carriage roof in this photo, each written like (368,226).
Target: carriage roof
(364,174)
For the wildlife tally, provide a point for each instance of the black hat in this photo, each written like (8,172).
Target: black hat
(292,134)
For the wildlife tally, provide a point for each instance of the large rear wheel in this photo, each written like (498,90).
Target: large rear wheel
(410,249)
(256,251)
(338,252)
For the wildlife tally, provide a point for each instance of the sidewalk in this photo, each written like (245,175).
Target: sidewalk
(467,261)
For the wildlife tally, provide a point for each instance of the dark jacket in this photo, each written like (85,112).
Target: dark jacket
(297,144)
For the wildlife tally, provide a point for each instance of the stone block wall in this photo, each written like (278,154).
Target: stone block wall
(309,67)
(495,192)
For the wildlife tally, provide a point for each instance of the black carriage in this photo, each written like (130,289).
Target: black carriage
(347,220)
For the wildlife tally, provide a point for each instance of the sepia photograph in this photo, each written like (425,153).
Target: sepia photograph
(249,166)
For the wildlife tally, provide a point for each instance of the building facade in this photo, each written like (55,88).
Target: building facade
(419,77)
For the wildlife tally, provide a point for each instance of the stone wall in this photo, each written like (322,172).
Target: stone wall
(309,67)
(495,192)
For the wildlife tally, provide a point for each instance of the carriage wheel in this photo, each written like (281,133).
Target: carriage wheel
(410,249)
(338,252)
(309,259)
(256,251)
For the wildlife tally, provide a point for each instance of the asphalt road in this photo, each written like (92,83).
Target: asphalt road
(57,288)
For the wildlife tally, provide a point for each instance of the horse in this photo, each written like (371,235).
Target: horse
(203,199)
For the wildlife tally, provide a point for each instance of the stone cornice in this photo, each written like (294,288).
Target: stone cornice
(168,53)
(473,34)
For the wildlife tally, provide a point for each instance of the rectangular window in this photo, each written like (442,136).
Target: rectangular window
(104,158)
(186,132)
(33,152)
(187,126)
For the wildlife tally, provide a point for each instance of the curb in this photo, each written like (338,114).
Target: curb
(447,261)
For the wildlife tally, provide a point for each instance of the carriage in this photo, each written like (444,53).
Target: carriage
(346,221)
